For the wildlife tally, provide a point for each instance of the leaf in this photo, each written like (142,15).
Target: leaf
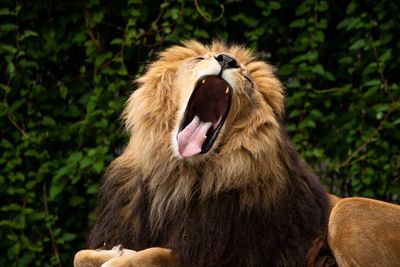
(27,34)
(55,190)
(79,38)
(63,171)
(351,7)
(98,166)
(303,8)
(358,44)
(274,5)
(371,68)
(286,70)
(298,23)
(37,216)
(164,5)
(116,41)
(318,69)
(13,251)
(387,55)
(372,83)
(75,157)
(172,13)
(293,114)
(63,91)
(102,58)
(322,24)
(92,189)
(293,84)
(322,6)
(85,162)
(98,17)
(75,201)
(310,123)
(48,121)
(350,23)
(8,27)
(6,12)
(10,68)
(69,236)
(3,109)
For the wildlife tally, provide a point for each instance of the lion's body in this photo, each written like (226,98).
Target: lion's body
(217,231)
(249,201)
(365,232)
(252,203)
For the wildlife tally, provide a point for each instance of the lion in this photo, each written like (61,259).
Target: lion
(209,176)
(364,232)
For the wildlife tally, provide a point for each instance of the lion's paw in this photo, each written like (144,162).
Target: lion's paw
(95,258)
(151,257)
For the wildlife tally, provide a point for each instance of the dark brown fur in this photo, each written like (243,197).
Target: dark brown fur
(217,231)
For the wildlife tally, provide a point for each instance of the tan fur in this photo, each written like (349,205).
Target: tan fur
(333,200)
(152,257)
(365,232)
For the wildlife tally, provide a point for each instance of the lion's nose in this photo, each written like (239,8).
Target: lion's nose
(226,61)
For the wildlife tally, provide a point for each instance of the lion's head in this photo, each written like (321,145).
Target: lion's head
(211,108)
(206,97)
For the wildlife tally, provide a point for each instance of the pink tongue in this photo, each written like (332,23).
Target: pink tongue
(191,139)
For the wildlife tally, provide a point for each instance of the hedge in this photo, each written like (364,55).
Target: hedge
(66,69)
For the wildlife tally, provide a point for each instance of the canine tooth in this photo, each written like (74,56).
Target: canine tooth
(203,81)
(227,90)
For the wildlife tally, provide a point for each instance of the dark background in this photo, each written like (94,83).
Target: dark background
(66,69)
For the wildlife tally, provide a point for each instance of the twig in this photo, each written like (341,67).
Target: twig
(206,16)
(382,76)
(90,32)
(53,239)
(13,121)
(330,90)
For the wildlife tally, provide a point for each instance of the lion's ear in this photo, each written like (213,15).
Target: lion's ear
(268,85)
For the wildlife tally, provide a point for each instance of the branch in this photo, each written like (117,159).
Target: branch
(206,16)
(53,239)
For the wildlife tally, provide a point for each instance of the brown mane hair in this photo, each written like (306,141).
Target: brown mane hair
(253,203)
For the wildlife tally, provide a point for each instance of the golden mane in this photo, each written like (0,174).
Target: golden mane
(247,161)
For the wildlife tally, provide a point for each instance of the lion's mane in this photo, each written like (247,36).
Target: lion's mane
(251,203)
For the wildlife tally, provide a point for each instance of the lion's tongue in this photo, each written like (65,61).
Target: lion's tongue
(191,139)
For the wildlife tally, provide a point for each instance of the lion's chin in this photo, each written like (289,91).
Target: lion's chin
(205,114)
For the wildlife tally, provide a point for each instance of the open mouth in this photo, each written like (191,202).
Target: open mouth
(204,117)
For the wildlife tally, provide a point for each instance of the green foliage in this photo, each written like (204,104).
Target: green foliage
(66,70)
